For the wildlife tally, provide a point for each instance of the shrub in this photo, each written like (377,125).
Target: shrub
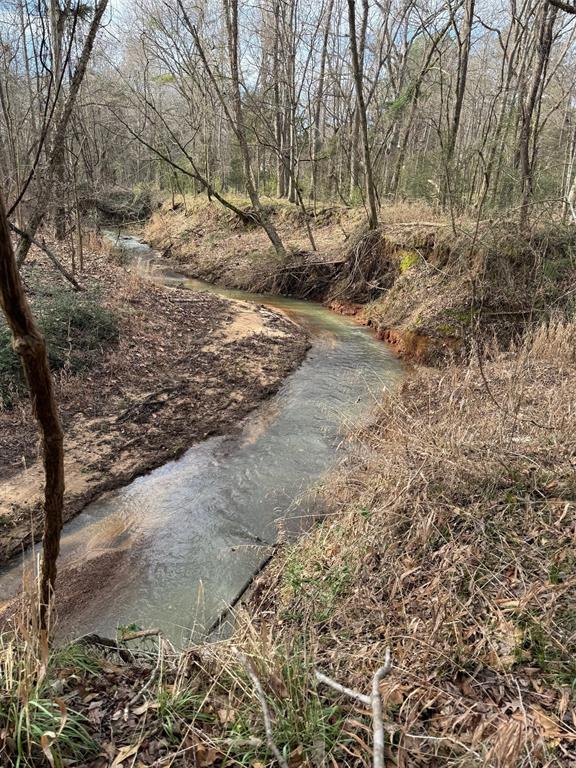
(77,329)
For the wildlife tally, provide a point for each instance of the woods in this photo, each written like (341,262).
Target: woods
(463,105)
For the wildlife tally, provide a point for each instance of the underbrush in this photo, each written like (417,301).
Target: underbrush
(77,328)
(38,725)
(98,703)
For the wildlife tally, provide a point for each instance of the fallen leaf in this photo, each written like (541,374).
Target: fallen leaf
(124,753)
(144,708)
(46,741)
(226,715)
(205,756)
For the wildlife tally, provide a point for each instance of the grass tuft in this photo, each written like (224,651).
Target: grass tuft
(37,724)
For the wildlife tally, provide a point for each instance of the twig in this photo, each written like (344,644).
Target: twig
(152,676)
(93,639)
(418,224)
(264,706)
(377,721)
(342,689)
(374,701)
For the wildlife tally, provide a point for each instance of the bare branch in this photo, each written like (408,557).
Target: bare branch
(282,762)
(374,701)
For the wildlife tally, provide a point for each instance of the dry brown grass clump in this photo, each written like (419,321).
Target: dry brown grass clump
(452,542)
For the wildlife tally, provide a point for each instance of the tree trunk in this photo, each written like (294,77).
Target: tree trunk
(30,345)
(316,134)
(461,80)
(235,116)
(354,154)
(572,200)
(57,19)
(45,187)
(545,37)
(361,107)
(231,12)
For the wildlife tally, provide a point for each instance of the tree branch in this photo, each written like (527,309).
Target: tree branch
(264,707)
(566,7)
(42,245)
(374,701)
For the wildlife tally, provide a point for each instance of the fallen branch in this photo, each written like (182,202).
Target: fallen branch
(43,247)
(377,720)
(374,701)
(105,642)
(152,400)
(361,697)
(264,706)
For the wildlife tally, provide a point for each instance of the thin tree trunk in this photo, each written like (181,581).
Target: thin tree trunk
(235,117)
(361,106)
(45,188)
(57,19)
(316,135)
(354,153)
(231,12)
(403,143)
(461,80)
(545,37)
(31,346)
(278,111)
(572,200)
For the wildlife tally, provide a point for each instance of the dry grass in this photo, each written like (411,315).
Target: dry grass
(434,286)
(452,541)
(495,282)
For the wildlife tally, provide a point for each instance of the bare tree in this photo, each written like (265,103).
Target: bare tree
(44,193)
(458,102)
(464,40)
(30,345)
(544,31)
(357,70)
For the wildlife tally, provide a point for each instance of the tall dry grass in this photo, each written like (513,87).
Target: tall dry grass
(451,539)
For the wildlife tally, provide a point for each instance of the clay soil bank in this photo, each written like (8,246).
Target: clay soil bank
(185,366)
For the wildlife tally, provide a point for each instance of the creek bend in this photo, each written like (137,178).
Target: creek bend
(184,539)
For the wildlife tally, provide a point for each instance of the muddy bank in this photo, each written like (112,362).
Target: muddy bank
(186,366)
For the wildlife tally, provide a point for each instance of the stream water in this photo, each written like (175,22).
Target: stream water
(194,531)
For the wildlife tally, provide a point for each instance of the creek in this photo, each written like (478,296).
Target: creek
(194,531)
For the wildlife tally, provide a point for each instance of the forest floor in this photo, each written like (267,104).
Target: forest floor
(181,366)
(449,539)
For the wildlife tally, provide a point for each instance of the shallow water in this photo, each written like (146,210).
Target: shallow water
(190,534)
